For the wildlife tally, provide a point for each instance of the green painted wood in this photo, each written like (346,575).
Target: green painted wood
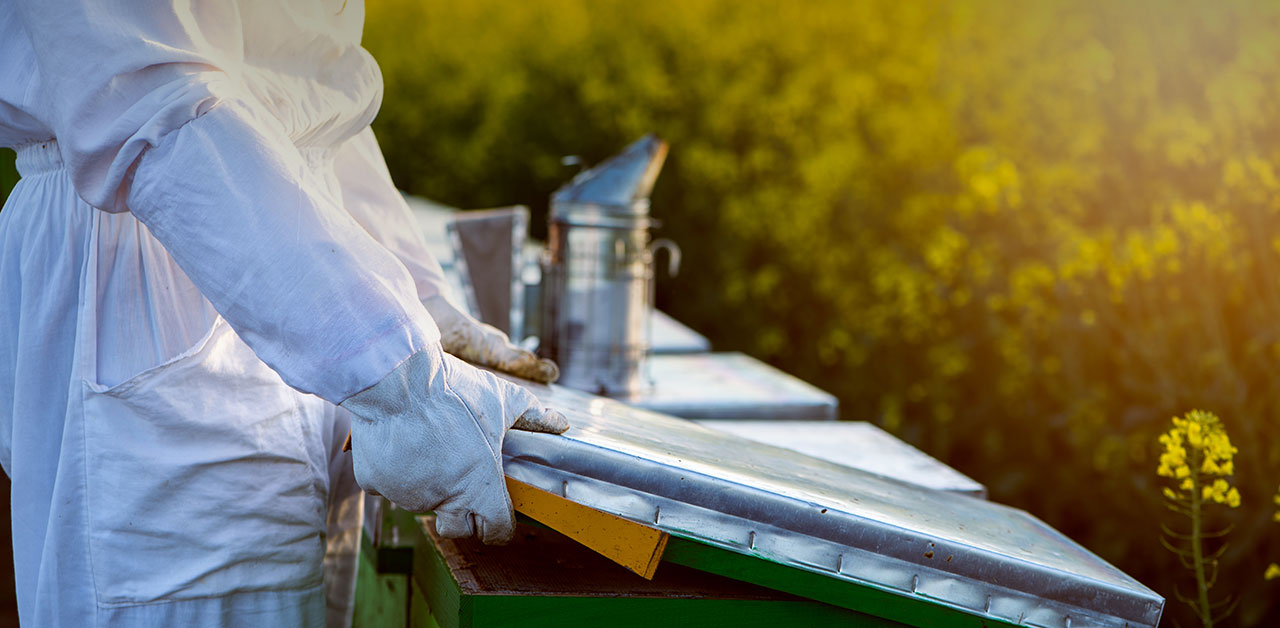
(447,604)
(382,600)
(558,612)
(399,536)
(367,591)
(909,610)
(827,601)
(419,610)
(440,591)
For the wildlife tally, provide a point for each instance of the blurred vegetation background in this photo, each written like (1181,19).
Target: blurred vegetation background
(1021,235)
(8,173)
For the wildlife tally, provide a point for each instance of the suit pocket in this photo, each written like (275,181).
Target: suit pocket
(205,477)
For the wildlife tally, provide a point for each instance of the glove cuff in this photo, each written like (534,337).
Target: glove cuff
(395,394)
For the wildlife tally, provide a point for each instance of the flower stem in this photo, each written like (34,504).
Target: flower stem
(1197,551)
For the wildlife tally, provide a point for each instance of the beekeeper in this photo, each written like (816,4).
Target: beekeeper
(206,276)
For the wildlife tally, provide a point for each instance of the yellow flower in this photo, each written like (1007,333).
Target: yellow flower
(1273,570)
(1222,493)
(1199,438)
(1194,436)
(1275,516)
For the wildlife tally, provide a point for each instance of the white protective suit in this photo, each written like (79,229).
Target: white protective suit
(204,217)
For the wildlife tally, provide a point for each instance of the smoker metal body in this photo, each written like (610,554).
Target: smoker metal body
(598,273)
(599,280)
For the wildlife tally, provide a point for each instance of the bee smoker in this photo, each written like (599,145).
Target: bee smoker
(598,273)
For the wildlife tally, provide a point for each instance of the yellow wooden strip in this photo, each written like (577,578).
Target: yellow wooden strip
(632,545)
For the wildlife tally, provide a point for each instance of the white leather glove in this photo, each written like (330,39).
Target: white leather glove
(429,437)
(486,345)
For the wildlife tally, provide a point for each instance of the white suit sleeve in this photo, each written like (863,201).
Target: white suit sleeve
(150,119)
(372,199)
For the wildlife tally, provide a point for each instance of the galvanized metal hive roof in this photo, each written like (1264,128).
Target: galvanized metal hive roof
(981,558)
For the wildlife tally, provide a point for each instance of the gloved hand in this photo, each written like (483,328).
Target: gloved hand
(429,437)
(486,345)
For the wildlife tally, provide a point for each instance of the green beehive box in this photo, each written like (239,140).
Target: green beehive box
(543,579)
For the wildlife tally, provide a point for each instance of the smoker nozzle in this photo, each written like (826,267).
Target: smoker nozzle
(621,182)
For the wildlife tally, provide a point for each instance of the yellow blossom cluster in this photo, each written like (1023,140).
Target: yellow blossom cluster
(1198,454)
(1273,570)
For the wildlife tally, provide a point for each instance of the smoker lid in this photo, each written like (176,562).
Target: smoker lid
(618,182)
(983,559)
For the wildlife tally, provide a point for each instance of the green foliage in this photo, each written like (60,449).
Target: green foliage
(1019,234)
(8,173)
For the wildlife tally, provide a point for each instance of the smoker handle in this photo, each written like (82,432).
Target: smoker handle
(673,254)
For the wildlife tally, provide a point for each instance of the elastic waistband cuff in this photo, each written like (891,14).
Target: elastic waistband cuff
(38,157)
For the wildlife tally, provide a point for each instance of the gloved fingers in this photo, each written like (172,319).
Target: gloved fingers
(487,346)
(525,364)
(496,533)
(458,525)
(549,370)
(541,419)
(494,349)
(455,525)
